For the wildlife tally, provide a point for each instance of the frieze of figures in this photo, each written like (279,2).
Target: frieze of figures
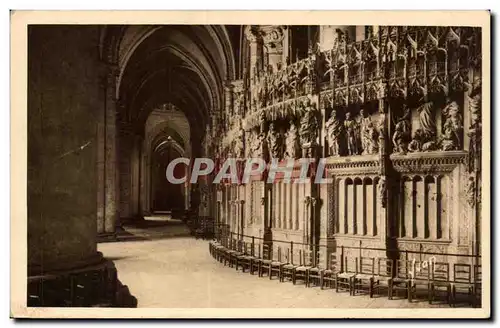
(408,60)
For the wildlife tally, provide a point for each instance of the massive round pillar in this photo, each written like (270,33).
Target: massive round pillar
(64,97)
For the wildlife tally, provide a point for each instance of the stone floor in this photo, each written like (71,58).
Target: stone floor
(166,268)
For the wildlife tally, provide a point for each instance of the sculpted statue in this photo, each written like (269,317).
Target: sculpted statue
(292,142)
(351,132)
(256,145)
(382,190)
(453,128)
(334,128)
(239,141)
(425,137)
(262,119)
(400,137)
(368,133)
(475,103)
(427,120)
(401,134)
(276,144)
(309,124)
(471,190)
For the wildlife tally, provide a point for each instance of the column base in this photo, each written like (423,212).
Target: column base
(96,285)
(106,237)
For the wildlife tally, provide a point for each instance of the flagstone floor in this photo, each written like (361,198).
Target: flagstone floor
(167,268)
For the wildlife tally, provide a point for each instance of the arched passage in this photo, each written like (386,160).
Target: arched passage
(181,70)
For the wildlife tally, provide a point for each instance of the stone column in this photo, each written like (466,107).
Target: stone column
(253,36)
(107,162)
(63,107)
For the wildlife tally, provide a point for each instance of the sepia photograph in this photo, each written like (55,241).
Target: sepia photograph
(218,166)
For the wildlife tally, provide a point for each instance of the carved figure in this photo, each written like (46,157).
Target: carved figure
(400,138)
(427,120)
(239,141)
(292,141)
(453,128)
(368,134)
(275,139)
(334,130)
(351,129)
(308,124)
(382,190)
(471,190)
(475,103)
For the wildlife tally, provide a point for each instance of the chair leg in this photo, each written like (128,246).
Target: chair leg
(371,288)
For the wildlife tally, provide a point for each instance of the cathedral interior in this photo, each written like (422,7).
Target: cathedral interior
(395,111)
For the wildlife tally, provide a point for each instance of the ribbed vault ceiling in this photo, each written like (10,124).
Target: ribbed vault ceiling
(184,65)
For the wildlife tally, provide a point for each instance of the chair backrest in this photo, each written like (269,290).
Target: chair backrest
(317,259)
(350,264)
(367,265)
(296,256)
(306,258)
(403,268)
(266,252)
(333,264)
(278,254)
(422,270)
(462,273)
(477,273)
(440,271)
(385,267)
(288,257)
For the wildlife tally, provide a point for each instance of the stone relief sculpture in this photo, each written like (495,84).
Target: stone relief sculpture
(335,129)
(424,138)
(351,132)
(368,134)
(475,103)
(276,142)
(427,124)
(292,142)
(453,128)
(471,190)
(382,190)
(401,136)
(239,141)
(309,124)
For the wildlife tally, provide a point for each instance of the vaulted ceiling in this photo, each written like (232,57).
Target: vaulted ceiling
(185,65)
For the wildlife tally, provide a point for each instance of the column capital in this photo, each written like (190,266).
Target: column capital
(253,33)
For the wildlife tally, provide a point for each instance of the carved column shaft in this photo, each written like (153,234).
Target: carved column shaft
(107,213)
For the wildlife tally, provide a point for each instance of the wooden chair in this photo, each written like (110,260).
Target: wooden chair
(255,260)
(364,278)
(244,259)
(383,275)
(462,283)
(347,274)
(477,285)
(289,267)
(265,261)
(316,272)
(301,272)
(421,280)
(276,265)
(440,280)
(402,278)
(329,276)
(231,252)
(238,251)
